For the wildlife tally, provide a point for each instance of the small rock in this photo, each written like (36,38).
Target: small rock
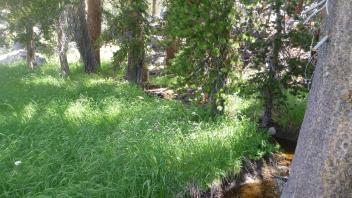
(19,55)
(271,131)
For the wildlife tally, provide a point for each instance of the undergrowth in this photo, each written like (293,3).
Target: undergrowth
(94,136)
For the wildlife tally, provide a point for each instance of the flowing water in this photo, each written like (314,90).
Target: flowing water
(269,185)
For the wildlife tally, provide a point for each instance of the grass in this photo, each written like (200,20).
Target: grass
(292,114)
(93,136)
(164,81)
(289,115)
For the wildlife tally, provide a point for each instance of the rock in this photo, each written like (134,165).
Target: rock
(17,46)
(155,41)
(19,55)
(271,131)
(280,184)
(2,50)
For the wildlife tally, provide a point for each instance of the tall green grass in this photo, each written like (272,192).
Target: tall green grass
(291,114)
(89,136)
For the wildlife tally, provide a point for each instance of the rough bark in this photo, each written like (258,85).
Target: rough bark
(94,24)
(83,38)
(30,47)
(62,42)
(323,160)
(136,70)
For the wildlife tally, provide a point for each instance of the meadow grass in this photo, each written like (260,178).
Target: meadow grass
(93,136)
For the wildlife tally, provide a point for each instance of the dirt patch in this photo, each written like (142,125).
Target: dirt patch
(165,93)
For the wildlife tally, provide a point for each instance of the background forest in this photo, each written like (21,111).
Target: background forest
(122,98)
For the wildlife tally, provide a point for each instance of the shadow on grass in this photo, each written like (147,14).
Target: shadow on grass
(85,135)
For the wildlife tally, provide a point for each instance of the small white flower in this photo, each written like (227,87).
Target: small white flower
(17,163)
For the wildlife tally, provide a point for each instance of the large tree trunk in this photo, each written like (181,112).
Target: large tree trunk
(30,47)
(94,24)
(62,42)
(83,38)
(323,160)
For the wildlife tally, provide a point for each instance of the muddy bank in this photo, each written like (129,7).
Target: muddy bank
(263,178)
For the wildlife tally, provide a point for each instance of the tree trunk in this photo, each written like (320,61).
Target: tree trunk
(30,47)
(274,64)
(268,107)
(137,71)
(299,7)
(171,52)
(83,38)
(154,8)
(323,160)
(94,24)
(62,42)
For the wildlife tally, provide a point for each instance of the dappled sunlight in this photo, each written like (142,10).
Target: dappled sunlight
(98,82)
(109,132)
(29,111)
(235,106)
(44,80)
(81,110)
(112,108)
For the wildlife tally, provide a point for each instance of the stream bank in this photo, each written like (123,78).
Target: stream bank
(263,178)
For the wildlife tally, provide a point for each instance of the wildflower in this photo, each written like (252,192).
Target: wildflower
(17,163)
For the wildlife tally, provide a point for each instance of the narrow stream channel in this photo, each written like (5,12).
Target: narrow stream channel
(267,186)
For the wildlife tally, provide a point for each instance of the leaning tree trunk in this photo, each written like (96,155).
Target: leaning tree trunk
(323,161)
(94,24)
(30,47)
(83,38)
(62,42)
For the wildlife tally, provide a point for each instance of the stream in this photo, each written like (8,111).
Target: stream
(273,176)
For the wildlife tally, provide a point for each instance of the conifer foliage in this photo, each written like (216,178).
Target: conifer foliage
(207,49)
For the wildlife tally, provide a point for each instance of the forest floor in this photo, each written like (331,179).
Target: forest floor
(95,136)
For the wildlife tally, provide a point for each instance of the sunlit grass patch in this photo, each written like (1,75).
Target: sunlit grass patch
(92,136)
